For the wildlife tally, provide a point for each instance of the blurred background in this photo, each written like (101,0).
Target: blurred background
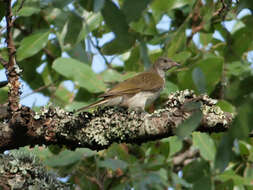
(72,51)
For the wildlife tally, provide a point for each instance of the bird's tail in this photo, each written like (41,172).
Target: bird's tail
(99,102)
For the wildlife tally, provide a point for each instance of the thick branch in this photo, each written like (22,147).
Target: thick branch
(105,126)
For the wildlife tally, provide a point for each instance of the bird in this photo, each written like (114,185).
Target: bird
(138,92)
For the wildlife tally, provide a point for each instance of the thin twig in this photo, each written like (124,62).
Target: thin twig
(48,53)
(21,6)
(96,46)
(12,69)
(37,90)
(95,181)
(220,10)
(15,17)
(3,83)
(100,52)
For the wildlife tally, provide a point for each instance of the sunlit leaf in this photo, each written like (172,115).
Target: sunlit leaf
(32,44)
(211,68)
(98,5)
(238,180)
(28,11)
(65,158)
(189,125)
(113,164)
(80,72)
(175,144)
(205,144)
(226,106)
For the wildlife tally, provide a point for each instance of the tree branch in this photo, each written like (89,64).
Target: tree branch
(12,69)
(105,126)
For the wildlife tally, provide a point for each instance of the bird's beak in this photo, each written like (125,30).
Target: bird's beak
(175,64)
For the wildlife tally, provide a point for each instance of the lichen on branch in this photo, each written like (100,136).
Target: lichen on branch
(100,129)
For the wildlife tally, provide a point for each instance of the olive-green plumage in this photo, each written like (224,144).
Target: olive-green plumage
(138,91)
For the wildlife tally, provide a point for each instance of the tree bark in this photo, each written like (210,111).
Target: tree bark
(100,129)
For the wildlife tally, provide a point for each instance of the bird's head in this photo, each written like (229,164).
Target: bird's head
(164,63)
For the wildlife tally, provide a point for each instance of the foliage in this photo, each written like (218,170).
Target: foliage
(63,36)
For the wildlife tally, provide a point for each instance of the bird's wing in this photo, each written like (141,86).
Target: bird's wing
(146,81)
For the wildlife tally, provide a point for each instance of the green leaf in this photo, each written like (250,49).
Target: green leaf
(224,152)
(29,74)
(165,5)
(170,87)
(244,148)
(211,67)
(205,144)
(62,96)
(92,22)
(60,3)
(81,73)
(178,180)
(195,170)
(189,125)
(98,5)
(32,44)
(74,27)
(145,180)
(110,75)
(2,9)
(237,68)
(133,63)
(203,183)
(238,180)
(3,95)
(113,164)
(181,57)
(115,19)
(65,158)
(248,4)
(175,145)
(28,11)
(178,40)
(146,25)
(133,9)
(116,46)
(144,55)
(226,106)
(205,38)
(87,4)
(78,52)
(56,16)
(242,41)
(199,80)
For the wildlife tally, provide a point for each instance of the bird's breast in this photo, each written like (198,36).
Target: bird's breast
(141,99)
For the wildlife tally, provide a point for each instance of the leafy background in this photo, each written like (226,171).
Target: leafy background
(62,42)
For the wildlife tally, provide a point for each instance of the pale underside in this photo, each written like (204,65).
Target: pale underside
(139,100)
(136,92)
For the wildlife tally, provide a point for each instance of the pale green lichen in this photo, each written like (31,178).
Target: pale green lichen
(213,115)
(178,98)
(112,124)
(211,112)
(26,172)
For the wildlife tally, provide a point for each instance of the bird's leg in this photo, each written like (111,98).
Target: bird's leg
(139,110)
